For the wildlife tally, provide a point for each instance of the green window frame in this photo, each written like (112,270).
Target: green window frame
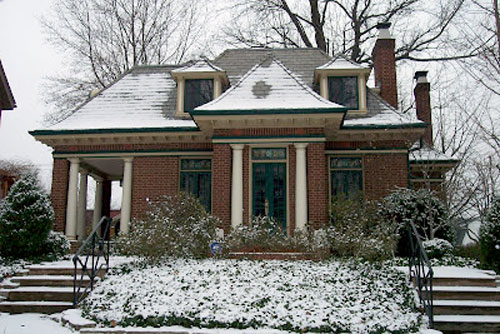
(196,179)
(344,90)
(197,92)
(346,177)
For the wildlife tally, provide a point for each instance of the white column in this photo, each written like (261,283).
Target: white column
(300,187)
(237,186)
(126,210)
(97,201)
(72,204)
(82,206)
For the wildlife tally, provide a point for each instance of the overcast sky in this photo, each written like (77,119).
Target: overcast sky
(27,58)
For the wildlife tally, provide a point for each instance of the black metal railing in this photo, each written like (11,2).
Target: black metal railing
(91,259)
(421,271)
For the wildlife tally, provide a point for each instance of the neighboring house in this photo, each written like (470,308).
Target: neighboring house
(275,132)
(7,179)
(7,101)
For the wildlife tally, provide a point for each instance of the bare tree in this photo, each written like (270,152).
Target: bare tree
(105,38)
(347,25)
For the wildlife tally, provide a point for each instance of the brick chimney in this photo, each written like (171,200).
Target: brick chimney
(384,63)
(423,103)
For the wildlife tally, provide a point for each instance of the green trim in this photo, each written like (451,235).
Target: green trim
(130,151)
(266,111)
(425,161)
(384,126)
(118,130)
(269,137)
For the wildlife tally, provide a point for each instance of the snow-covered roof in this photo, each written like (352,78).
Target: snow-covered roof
(268,86)
(341,63)
(143,98)
(424,153)
(200,65)
(380,114)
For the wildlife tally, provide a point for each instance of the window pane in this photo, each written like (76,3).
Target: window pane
(345,163)
(197,92)
(343,90)
(346,183)
(269,153)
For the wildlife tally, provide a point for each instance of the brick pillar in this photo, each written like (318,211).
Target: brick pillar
(221,177)
(423,104)
(59,192)
(384,63)
(317,182)
(106,198)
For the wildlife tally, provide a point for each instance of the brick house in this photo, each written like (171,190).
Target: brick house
(275,132)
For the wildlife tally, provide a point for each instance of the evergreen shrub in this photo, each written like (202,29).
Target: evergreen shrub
(26,218)
(173,226)
(357,229)
(489,237)
(438,248)
(422,208)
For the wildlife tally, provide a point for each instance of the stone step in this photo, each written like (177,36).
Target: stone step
(466,307)
(47,280)
(466,293)
(46,307)
(453,281)
(467,323)
(47,270)
(41,293)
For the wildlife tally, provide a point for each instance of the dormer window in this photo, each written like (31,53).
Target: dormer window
(344,82)
(344,90)
(198,83)
(197,92)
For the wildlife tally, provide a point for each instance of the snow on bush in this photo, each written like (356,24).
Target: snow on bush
(173,226)
(9,267)
(437,248)
(328,296)
(26,217)
(489,237)
(265,234)
(357,229)
(57,245)
(422,208)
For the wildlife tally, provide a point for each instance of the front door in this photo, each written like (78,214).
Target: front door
(269,191)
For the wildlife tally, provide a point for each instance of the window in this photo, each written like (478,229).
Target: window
(269,153)
(346,177)
(344,90)
(196,179)
(197,92)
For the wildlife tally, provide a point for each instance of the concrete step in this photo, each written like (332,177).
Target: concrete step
(452,281)
(466,307)
(466,293)
(46,270)
(46,307)
(41,293)
(47,280)
(467,323)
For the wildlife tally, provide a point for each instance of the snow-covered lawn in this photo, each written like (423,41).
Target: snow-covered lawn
(330,296)
(30,323)
(8,268)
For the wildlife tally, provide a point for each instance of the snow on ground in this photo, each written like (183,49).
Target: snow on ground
(9,268)
(30,323)
(114,261)
(287,295)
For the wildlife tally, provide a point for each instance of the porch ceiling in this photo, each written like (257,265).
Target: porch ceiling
(111,169)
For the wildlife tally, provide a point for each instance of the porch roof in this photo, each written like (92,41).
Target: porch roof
(269,86)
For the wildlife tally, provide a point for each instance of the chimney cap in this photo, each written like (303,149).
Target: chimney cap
(421,76)
(383,30)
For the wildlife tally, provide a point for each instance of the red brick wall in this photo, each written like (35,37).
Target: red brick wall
(383,173)
(380,144)
(221,189)
(153,177)
(317,181)
(59,192)
(423,103)
(384,63)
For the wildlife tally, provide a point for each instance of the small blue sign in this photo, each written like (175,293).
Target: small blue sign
(215,248)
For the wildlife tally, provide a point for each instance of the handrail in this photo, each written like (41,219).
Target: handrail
(421,271)
(90,253)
